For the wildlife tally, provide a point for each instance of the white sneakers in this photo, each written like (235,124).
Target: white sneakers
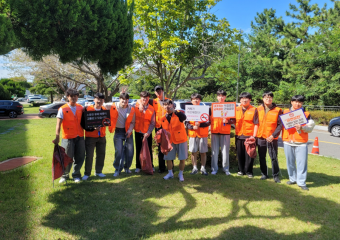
(227,173)
(62,180)
(181,178)
(85,177)
(137,170)
(99,175)
(77,180)
(128,171)
(168,176)
(116,174)
(214,172)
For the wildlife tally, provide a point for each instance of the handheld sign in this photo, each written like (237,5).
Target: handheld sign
(223,110)
(94,119)
(290,119)
(197,113)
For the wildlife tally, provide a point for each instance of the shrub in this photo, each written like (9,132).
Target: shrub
(323,117)
(4,93)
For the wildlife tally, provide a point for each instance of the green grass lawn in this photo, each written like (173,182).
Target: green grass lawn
(139,206)
(29,109)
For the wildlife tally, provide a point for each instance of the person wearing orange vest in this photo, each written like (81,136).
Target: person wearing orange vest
(198,138)
(69,121)
(145,123)
(270,127)
(295,145)
(220,137)
(173,122)
(122,124)
(246,127)
(157,104)
(95,138)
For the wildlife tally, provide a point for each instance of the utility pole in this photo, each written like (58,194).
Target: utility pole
(238,68)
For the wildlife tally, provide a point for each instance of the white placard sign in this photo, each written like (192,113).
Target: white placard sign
(290,119)
(197,113)
(224,110)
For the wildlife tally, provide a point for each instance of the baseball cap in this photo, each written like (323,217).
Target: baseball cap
(158,87)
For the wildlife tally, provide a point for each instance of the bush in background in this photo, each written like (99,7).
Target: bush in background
(323,117)
(4,93)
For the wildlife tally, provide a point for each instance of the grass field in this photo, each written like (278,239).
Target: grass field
(29,109)
(139,206)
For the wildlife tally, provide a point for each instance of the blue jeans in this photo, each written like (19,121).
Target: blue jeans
(74,148)
(118,140)
(297,163)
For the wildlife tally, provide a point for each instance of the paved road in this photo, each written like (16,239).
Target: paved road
(21,117)
(328,145)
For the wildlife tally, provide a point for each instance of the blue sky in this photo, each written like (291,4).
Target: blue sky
(239,13)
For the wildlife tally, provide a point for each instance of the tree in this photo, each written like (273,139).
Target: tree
(178,41)
(4,93)
(14,88)
(7,37)
(87,31)
(46,87)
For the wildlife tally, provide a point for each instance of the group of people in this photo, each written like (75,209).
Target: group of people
(261,125)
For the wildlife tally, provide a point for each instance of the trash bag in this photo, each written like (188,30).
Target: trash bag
(145,158)
(250,144)
(163,138)
(59,162)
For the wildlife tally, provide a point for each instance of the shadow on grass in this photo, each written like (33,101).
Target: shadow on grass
(139,207)
(14,184)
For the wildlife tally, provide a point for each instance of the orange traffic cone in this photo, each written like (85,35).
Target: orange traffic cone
(315,149)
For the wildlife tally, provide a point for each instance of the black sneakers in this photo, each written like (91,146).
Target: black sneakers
(264,177)
(276,179)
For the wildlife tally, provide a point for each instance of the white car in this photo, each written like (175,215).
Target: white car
(37,100)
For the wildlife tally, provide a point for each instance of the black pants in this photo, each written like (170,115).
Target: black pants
(245,162)
(139,142)
(272,150)
(161,161)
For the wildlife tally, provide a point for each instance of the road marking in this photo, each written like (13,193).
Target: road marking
(325,142)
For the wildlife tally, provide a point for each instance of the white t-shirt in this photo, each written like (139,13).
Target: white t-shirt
(60,111)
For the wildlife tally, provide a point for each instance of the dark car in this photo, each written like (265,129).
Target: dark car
(50,110)
(334,126)
(11,108)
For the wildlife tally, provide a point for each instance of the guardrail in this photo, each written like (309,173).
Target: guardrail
(314,107)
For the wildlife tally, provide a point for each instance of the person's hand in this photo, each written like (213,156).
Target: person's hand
(252,137)
(128,134)
(195,127)
(124,90)
(225,120)
(270,138)
(56,140)
(197,124)
(141,107)
(298,127)
(146,135)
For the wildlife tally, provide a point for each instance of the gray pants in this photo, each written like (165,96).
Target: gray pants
(118,139)
(220,141)
(74,148)
(100,144)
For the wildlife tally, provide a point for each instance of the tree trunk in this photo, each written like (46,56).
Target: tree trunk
(51,97)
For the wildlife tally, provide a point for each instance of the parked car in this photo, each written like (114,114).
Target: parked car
(50,110)
(86,102)
(21,99)
(37,100)
(11,108)
(334,126)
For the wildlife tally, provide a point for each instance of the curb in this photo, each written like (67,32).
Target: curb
(320,127)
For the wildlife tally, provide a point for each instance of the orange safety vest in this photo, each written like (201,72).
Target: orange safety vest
(201,132)
(160,111)
(70,125)
(176,129)
(292,135)
(217,126)
(94,134)
(244,122)
(267,122)
(143,120)
(114,118)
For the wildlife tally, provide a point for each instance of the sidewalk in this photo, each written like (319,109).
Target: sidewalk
(321,128)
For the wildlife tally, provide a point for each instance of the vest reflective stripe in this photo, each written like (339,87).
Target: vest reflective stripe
(160,112)
(176,129)
(292,135)
(114,118)
(267,123)
(143,120)
(70,125)
(217,126)
(244,122)
(94,134)
(201,132)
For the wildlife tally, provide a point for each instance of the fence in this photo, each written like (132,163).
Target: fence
(314,107)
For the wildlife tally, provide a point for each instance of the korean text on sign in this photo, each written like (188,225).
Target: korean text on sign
(224,110)
(197,113)
(293,118)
